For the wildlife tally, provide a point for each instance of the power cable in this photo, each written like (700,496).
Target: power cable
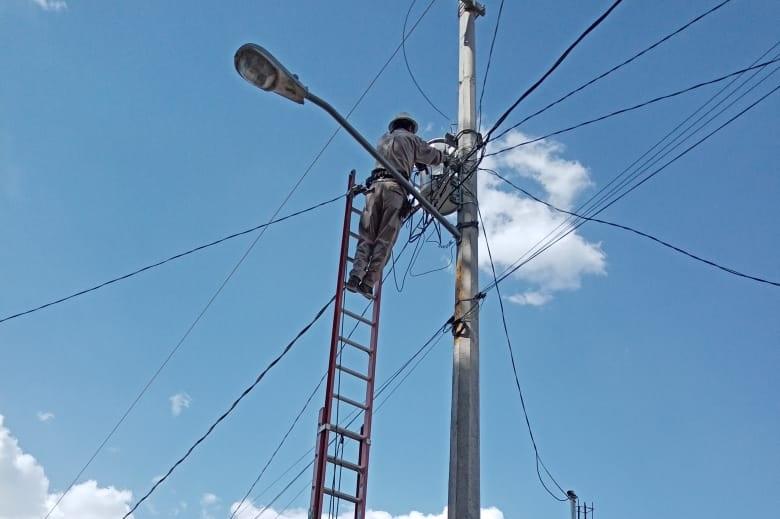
(635,107)
(635,231)
(555,65)
(665,150)
(279,446)
(511,270)
(409,68)
(428,345)
(172,258)
(240,505)
(235,403)
(292,191)
(517,378)
(489,61)
(615,68)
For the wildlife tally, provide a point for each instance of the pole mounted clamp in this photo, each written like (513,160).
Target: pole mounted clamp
(473,6)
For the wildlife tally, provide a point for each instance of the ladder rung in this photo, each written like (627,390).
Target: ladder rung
(344,463)
(356,210)
(351,402)
(352,372)
(341,495)
(350,259)
(358,317)
(347,432)
(355,344)
(354,235)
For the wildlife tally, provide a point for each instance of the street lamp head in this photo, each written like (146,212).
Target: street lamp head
(259,67)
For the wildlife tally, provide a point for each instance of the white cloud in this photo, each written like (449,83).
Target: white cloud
(516,224)
(24,489)
(179,402)
(208,505)
(51,5)
(45,416)
(249,512)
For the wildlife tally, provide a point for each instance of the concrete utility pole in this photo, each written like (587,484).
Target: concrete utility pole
(464,499)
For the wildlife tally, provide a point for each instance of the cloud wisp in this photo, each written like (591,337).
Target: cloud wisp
(180,402)
(51,5)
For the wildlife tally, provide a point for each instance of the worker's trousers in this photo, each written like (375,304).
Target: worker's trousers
(379,226)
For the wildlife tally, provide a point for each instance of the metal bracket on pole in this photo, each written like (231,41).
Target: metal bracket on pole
(473,6)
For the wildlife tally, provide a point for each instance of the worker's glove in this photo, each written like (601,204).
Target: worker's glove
(420,167)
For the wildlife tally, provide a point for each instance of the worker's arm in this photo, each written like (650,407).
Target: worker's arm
(426,154)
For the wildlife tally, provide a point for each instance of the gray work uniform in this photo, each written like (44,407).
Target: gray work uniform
(381,218)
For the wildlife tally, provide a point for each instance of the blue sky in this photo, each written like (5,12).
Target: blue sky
(126,136)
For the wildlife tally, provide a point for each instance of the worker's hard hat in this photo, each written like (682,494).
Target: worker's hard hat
(403,116)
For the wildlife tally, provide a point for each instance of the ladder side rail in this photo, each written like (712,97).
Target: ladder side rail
(365,445)
(321,453)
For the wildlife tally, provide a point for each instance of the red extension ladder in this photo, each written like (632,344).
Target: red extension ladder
(344,431)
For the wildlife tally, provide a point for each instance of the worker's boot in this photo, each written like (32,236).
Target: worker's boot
(366,290)
(353,285)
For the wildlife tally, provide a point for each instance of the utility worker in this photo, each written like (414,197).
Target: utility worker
(386,201)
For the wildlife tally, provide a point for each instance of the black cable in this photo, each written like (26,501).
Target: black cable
(555,65)
(230,409)
(172,258)
(635,107)
(298,416)
(279,446)
(651,175)
(635,231)
(409,68)
(514,370)
(664,151)
(238,264)
(489,61)
(428,344)
(615,68)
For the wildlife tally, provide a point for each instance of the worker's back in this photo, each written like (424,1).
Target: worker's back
(403,149)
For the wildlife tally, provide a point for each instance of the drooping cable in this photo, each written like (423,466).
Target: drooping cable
(672,140)
(554,66)
(235,403)
(489,61)
(513,269)
(635,231)
(517,378)
(637,106)
(171,258)
(409,67)
(614,68)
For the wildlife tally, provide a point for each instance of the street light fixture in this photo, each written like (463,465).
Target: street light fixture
(260,68)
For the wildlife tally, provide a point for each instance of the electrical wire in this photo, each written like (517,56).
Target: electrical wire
(635,231)
(235,403)
(409,67)
(171,258)
(514,371)
(279,446)
(289,195)
(489,61)
(635,107)
(240,505)
(554,66)
(673,143)
(427,345)
(615,68)
(513,269)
